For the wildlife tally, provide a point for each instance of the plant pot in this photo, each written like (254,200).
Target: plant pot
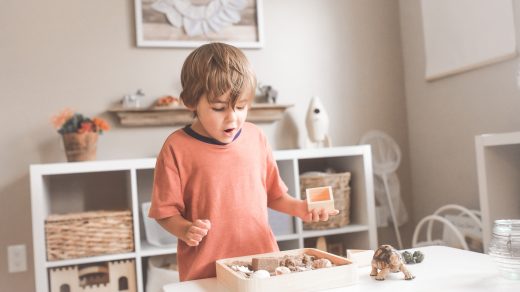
(80,147)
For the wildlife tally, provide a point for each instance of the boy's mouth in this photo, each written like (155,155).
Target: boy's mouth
(229,130)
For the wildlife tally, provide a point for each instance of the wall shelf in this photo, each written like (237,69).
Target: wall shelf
(180,115)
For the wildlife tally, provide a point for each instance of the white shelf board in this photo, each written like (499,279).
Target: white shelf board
(321,152)
(286,237)
(93,166)
(79,261)
(347,229)
(499,139)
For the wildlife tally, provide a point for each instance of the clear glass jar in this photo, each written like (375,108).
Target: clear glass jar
(505,248)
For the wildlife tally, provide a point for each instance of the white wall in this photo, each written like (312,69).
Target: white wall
(82,54)
(445,115)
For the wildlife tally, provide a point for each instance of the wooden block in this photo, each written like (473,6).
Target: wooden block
(320,197)
(268,264)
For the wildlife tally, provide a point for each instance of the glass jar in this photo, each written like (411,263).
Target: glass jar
(504,248)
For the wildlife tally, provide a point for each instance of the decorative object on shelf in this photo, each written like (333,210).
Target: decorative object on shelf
(96,277)
(336,248)
(168,100)
(387,259)
(339,183)
(133,100)
(162,270)
(386,156)
(87,234)
(266,94)
(189,23)
(79,134)
(317,122)
(321,243)
(504,248)
(181,115)
(155,234)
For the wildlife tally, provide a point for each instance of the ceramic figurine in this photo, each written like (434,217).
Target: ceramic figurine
(317,122)
(133,100)
(388,259)
(266,94)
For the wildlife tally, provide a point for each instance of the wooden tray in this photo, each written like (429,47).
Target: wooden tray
(343,274)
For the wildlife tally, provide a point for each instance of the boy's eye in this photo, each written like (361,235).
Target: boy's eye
(218,109)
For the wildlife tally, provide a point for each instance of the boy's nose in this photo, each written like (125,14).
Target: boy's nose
(231,115)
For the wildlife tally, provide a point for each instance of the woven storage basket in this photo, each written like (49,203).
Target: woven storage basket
(88,234)
(339,182)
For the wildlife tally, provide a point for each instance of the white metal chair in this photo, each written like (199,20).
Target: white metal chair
(436,217)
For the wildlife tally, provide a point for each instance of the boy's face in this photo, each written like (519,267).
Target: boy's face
(217,120)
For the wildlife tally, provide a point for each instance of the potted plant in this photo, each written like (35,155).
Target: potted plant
(79,134)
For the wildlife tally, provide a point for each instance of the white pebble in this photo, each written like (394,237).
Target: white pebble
(282,270)
(261,274)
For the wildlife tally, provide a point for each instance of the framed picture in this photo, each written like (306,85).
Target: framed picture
(191,23)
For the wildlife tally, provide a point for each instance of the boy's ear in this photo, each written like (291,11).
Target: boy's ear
(191,108)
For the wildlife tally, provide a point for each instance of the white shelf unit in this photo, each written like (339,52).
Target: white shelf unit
(498,169)
(115,184)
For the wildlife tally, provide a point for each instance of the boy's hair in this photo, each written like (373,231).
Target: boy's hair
(214,69)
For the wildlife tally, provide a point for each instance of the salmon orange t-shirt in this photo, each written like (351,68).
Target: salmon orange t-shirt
(229,184)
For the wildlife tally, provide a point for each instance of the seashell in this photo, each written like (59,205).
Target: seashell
(282,270)
(261,274)
(322,263)
(242,269)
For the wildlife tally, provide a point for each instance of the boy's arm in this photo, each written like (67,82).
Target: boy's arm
(190,232)
(298,208)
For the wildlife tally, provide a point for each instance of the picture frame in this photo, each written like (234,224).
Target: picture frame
(191,23)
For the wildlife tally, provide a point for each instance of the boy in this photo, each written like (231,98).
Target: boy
(215,179)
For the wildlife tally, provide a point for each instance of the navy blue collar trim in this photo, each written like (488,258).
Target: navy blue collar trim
(188,130)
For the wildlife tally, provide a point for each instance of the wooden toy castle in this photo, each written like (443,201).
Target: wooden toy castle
(96,277)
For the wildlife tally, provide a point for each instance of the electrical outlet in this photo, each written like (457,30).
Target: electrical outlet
(17,258)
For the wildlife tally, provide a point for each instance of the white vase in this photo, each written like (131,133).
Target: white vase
(317,121)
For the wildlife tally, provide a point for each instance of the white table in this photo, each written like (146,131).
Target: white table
(443,269)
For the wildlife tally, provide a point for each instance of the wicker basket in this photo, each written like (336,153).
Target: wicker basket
(88,234)
(339,182)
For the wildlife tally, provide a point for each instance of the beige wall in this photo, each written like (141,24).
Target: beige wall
(82,54)
(445,115)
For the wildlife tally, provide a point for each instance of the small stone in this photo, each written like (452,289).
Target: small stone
(408,257)
(282,270)
(322,263)
(261,274)
(418,256)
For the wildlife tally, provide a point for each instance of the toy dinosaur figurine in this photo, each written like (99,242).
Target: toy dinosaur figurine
(387,259)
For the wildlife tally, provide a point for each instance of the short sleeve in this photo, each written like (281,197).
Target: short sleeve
(167,199)
(274,183)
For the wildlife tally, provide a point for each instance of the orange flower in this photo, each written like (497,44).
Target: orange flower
(101,125)
(60,119)
(85,127)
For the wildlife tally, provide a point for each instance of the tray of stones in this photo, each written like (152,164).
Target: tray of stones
(305,269)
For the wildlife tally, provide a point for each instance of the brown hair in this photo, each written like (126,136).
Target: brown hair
(214,69)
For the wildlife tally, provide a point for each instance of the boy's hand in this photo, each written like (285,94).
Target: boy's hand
(317,215)
(196,232)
